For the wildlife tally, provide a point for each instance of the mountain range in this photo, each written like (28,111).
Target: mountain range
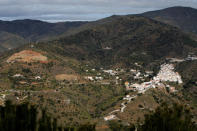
(81,71)
(19,32)
(182,17)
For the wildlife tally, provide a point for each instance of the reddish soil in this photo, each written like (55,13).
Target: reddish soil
(28,56)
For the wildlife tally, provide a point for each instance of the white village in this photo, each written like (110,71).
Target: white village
(166,74)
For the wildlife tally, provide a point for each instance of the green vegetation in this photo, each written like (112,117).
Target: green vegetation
(120,42)
(26,117)
(165,118)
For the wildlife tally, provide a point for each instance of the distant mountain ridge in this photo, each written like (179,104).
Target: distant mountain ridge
(24,31)
(183,17)
(19,32)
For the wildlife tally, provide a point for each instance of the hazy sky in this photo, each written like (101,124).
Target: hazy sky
(72,10)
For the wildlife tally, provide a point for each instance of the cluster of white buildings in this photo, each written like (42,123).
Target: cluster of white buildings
(139,75)
(111,72)
(167,73)
(91,78)
(191,57)
(141,88)
(21,76)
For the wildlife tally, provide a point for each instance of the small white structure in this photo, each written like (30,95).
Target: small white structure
(3,96)
(111,72)
(138,75)
(110,117)
(149,72)
(172,89)
(89,78)
(133,71)
(129,98)
(137,64)
(107,48)
(32,46)
(173,60)
(191,57)
(99,78)
(17,75)
(37,77)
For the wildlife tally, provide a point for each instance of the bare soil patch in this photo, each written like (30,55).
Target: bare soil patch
(28,56)
(68,77)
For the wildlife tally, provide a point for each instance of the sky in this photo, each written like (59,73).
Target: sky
(81,10)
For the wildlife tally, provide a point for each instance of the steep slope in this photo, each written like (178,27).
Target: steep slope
(123,40)
(10,41)
(35,29)
(183,17)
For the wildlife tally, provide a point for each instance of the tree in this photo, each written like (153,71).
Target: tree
(24,117)
(165,118)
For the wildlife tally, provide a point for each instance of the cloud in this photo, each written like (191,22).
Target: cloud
(59,10)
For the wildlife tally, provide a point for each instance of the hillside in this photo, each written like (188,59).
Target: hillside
(182,17)
(19,32)
(118,68)
(123,40)
(10,41)
(25,31)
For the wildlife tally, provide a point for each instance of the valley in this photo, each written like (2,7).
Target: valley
(90,93)
(119,68)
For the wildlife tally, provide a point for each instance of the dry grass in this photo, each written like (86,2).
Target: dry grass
(68,77)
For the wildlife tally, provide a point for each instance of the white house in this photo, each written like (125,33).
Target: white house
(110,117)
